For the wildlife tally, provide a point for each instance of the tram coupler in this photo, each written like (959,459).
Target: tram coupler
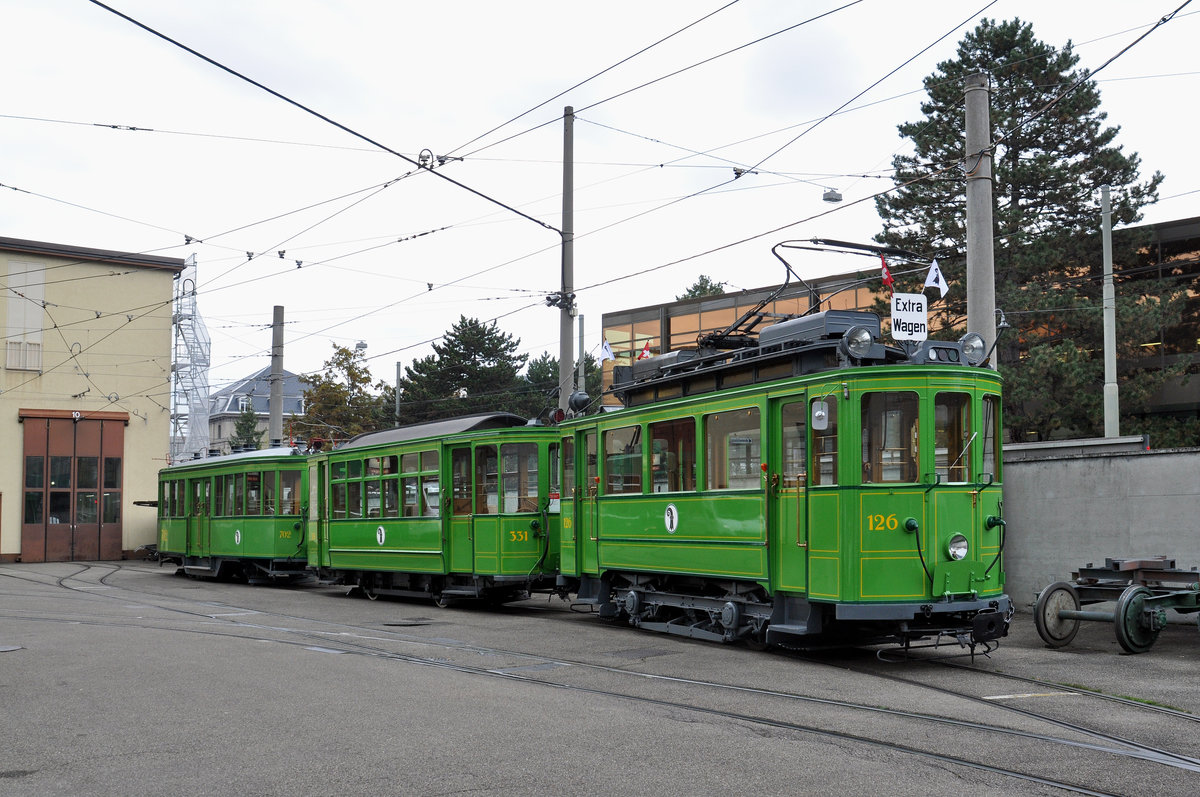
(987,626)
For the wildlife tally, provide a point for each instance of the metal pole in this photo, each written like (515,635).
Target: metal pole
(581,376)
(566,359)
(981,271)
(275,422)
(1112,416)
(399,374)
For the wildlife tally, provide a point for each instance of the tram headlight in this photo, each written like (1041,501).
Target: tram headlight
(857,342)
(958,547)
(973,347)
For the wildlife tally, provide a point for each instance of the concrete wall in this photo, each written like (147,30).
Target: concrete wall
(1065,510)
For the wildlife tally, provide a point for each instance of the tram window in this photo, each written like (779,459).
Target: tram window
(519,479)
(733,449)
(593,475)
(460,475)
(218,496)
(623,460)
(555,484)
(890,437)
(374,496)
(238,504)
(431,491)
(229,507)
(373,466)
(487,482)
(823,468)
(337,470)
(268,492)
(253,493)
(354,499)
(354,469)
(430,460)
(568,468)
(673,462)
(389,464)
(289,492)
(409,463)
(409,492)
(793,419)
(391,497)
(952,436)
(991,435)
(338,499)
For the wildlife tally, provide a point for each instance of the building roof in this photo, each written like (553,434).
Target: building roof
(257,387)
(87,254)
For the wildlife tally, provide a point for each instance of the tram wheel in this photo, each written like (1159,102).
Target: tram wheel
(1134,634)
(1054,630)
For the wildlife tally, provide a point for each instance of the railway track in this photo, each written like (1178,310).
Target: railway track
(963,733)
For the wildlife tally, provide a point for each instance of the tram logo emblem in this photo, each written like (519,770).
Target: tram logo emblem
(237,536)
(380,535)
(671,518)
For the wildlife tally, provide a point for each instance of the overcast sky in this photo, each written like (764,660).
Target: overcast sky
(392,255)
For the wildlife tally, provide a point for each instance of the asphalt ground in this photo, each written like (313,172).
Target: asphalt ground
(124,679)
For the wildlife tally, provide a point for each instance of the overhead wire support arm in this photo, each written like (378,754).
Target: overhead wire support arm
(427,166)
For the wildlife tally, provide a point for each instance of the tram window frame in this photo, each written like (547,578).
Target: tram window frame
(519,477)
(726,468)
(460,481)
(431,483)
(487,480)
(891,436)
(952,437)
(823,455)
(290,502)
(254,493)
(567,459)
(623,446)
(793,422)
(673,455)
(990,409)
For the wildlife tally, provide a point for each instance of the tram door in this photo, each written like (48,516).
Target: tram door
(461,546)
(586,518)
(568,539)
(787,509)
(199,513)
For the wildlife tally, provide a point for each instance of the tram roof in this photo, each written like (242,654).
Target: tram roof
(442,428)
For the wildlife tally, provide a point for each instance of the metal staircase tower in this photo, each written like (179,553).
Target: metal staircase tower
(190,359)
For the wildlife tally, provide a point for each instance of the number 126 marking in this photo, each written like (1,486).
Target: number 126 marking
(882,523)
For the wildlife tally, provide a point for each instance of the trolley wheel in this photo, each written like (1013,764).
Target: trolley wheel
(1055,631)
(1134,634)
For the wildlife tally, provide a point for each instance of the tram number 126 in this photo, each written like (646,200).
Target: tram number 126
(882,523)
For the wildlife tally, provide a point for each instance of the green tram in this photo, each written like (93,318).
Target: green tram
(238,515)
(812,486)
(465,508)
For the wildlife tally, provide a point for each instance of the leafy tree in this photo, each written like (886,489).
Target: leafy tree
(474,369)
(340,404)
(704,286)
(246,433)
(1051,154)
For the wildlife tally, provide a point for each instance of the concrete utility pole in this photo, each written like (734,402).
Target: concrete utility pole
(1112,416)
(566,359)
(981,270)
(275,424)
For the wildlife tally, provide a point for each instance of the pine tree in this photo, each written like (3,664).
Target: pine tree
(1052,152)
(246,433)
(475,368)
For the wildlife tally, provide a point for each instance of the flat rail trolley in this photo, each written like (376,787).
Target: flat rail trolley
(1144,589)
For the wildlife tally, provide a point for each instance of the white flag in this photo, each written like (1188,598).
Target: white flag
(935,279)
(606,352)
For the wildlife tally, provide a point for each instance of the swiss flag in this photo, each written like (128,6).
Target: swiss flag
(645,351)
(888,282)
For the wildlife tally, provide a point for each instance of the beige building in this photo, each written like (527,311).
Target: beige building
(85,398)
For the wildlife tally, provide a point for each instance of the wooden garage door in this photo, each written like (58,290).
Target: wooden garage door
(73,479)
